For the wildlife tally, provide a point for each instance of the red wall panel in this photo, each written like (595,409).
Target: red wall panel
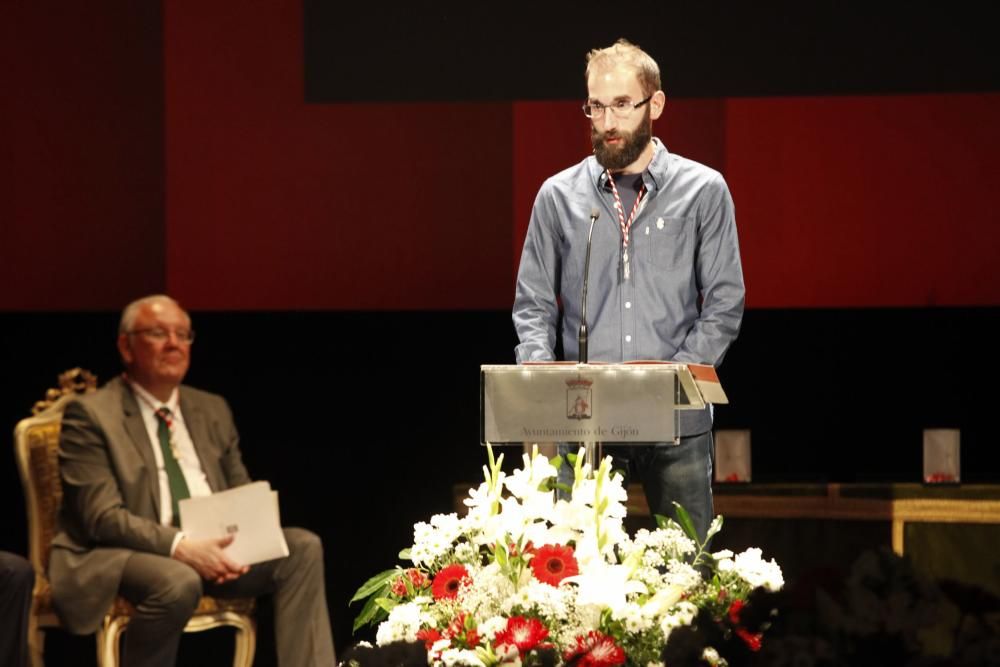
(142,153)
(276,204)
(81,157)
(841,201)
(867,201)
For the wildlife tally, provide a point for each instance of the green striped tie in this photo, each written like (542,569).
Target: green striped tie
(175,478)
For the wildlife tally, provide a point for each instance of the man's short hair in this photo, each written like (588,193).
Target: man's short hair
(130,311)
(623,52)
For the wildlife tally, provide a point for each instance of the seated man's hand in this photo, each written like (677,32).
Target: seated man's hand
(209,560)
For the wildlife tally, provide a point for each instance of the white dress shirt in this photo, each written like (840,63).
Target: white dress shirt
(190,465)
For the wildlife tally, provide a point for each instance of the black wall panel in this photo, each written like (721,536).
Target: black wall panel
(360,52)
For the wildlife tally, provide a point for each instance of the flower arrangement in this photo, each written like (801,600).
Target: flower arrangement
(529,578)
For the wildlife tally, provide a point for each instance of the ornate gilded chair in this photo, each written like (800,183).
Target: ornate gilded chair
(36,441)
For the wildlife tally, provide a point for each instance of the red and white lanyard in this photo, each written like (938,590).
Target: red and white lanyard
(626,225)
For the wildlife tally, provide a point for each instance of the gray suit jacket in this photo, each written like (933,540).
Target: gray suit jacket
(111,495)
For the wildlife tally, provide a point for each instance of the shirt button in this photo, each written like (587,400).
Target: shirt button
(628,304)
(628,339)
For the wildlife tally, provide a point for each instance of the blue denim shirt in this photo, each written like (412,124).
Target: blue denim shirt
(684,297)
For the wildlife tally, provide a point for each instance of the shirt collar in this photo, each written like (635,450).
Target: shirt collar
(147,400)
(653,176)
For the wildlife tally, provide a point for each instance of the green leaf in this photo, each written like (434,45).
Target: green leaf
(556,461)
(386,604)
(380,580)
(501,554)
(684,519)
(571,457)
(562,487)
(405,555)
(370,613)
(661,521)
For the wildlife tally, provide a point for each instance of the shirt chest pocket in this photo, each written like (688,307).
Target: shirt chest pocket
(665,241)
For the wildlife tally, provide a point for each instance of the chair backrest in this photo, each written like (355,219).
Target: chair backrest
(36,444)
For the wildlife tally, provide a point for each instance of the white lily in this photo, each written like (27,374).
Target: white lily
(526,481)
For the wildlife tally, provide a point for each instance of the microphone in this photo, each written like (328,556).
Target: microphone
(582,338)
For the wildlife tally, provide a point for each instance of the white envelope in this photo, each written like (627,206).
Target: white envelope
(249,512)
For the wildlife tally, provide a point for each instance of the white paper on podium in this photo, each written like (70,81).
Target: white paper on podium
(249,512)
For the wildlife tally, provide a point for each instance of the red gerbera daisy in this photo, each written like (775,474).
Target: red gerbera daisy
(552,563)
(448,581)
(596,650)
(428,636)
(524,633)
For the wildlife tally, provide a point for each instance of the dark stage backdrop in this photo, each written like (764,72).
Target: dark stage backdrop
(340,196)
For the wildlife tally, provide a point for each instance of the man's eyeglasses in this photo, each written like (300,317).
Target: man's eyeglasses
(158,334)
(620,109)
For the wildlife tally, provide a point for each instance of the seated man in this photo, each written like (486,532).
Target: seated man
(127,454)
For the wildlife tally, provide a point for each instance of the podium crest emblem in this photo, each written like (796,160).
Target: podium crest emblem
(579,398)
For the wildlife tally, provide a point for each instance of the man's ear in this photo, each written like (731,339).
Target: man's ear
(656,104)
(125,348)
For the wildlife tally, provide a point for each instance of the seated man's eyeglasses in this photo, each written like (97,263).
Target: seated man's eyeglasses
(620,108)
(158,335)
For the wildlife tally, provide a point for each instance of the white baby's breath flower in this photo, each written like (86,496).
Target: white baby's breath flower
(637,617)
(484,596)
(491,626)
(550,602)
(652,559)
(465,553)
(681,574)
(403,623)
(460,656)
(435,540)
(682,614)
(670,542)
(712,657)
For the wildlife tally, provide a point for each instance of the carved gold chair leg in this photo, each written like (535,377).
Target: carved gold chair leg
(109,636)
(36,643)
(246,633)
(109,641)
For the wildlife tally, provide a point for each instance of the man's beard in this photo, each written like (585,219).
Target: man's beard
(633,144)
